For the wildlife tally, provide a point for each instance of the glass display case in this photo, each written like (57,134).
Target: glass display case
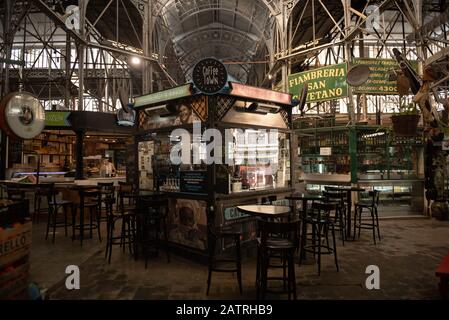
(158,172)
(381,155)
(396,196)
(369,156)
(324,151)
(256,160)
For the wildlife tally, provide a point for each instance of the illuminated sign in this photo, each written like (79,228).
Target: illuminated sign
(209,76)
(241,90)
(57,119)
(166,95)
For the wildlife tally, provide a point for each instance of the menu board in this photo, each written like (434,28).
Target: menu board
(193,181)
(379,81)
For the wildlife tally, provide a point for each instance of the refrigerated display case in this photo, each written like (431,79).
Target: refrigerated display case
(371,157)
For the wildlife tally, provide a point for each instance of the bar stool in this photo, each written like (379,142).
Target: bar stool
(126,191)
(89,201)
(151,226)
(106,197)
(321,223)
(277,239)
(371,206)
(127,233)
(338,198)
(53,208)
(219,263)
(40,194)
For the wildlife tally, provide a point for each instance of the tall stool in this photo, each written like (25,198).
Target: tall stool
(321,223)
(126,236)
(151,226)
(106,198)
(54,205)
(218,263)
(125,192)
(277,239)
(40,194)
(371,207)
(338,198)
(88,201)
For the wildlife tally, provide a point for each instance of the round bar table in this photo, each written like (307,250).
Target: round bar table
(265,210)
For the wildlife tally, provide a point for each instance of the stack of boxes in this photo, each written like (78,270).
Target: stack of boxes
(15,245)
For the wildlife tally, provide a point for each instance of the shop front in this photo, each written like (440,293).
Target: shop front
(369,157)
(76,145)
(211,153)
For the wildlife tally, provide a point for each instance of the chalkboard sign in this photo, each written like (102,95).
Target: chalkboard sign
(209,76)
(193,181)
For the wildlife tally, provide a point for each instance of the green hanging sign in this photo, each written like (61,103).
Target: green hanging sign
(162,96)
(57,119)
(378,81)
(323,84)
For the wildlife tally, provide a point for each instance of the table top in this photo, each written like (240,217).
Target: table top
(143,193)
(149,193)
(346,188)
(305,196)
(265,210)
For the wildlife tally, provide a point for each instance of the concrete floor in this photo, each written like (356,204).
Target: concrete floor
(407,256)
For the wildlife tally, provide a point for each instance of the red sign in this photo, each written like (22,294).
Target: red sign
(245,91)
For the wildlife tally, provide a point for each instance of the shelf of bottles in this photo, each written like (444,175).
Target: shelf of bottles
(382,155)
(335,159)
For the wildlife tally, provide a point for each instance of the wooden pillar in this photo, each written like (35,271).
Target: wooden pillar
(79,174)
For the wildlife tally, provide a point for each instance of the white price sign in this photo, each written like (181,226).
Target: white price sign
(327,151)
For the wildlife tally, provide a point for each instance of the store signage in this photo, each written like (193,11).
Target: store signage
(193,181)
(209,76)
(233,213)
(166,95)
(126,119)
(379,79)
(57,119)
(244,91)
(323,84)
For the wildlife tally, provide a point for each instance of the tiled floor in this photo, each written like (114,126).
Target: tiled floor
(407,257)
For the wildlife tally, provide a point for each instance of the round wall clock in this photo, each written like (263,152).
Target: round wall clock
(209,76)
(22,115)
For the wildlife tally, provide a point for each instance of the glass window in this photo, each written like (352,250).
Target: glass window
(258,159)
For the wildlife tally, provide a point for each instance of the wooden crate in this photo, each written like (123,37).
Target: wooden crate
(15,243)
(14,281)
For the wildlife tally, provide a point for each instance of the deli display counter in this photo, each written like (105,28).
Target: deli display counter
(370,157)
